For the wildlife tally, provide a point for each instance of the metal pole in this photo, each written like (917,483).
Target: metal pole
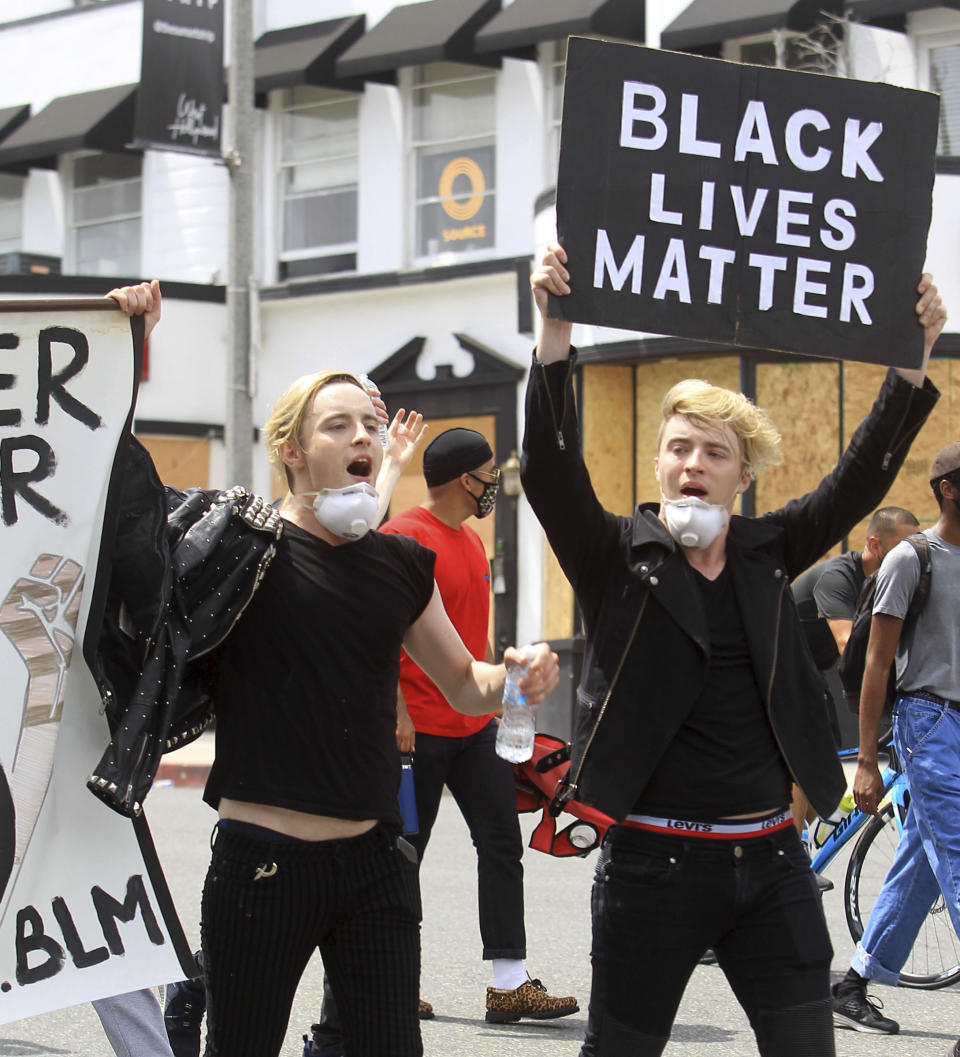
(238,438)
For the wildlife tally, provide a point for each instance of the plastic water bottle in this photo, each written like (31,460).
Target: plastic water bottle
(820,830)
(407,796)
(382,431)
(517,724)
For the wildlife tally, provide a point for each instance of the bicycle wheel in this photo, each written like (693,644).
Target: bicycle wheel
(935,959)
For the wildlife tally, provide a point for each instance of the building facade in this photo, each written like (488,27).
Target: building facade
(404,168)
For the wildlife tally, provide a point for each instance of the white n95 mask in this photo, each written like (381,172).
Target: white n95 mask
(693,522)
(346,512)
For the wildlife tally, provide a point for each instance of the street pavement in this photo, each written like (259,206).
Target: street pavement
(709,1024)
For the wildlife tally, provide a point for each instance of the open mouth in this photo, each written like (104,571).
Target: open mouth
(362,466)
(693,491)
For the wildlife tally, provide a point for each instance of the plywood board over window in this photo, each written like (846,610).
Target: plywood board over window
(182,462)
(608,434)
(911,489)
(802,400)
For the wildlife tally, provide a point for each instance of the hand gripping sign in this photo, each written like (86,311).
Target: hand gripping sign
(84,909)
(743,204)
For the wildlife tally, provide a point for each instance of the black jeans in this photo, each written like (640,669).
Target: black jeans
(659,901)
(483,787)
(267,905)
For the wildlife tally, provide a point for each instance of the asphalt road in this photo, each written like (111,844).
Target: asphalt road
(710,1023)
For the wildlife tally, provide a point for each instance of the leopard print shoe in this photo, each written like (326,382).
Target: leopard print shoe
(531,1000)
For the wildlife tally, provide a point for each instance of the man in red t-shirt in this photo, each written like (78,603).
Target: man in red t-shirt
(458,750)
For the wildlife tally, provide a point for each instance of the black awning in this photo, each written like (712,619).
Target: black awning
(709,22)
(863,10)
(100,120)
(517,29)
(12,117)
(434,31)
(304,54)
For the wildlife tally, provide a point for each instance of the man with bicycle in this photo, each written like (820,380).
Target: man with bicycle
(926,730)
(699,698)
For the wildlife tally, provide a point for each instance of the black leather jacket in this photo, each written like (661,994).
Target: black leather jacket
(647,645)
(183,567)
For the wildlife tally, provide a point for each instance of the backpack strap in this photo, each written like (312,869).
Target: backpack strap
(921,546)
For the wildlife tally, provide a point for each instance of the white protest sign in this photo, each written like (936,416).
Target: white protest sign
(84,909)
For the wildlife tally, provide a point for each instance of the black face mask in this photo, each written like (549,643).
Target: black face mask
(487,498)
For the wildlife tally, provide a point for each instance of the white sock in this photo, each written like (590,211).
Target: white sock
(508,973)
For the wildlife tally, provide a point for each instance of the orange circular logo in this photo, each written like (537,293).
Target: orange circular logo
(461,167)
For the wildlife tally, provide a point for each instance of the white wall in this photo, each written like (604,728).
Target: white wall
(382,204)
(943,259)
(184,217)
(187,365)
(94,47)
(43,213)
(520,153)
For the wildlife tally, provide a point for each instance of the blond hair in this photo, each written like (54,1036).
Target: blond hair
(292,409)
(709,405)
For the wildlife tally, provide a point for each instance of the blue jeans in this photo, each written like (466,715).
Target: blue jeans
(927,861)
(660,901)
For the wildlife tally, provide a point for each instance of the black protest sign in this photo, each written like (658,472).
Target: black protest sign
(742,204)
(180,97)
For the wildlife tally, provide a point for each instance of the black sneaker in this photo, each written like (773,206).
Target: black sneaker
(312,1048)
(853,1009)
(184,1006)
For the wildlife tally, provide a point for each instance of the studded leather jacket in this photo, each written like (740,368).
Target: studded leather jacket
(182,568)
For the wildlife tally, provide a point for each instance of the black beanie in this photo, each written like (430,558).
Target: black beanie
(454,452)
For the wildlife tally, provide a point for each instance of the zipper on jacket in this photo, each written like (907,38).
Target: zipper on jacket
(570,787)
(127,797)
(561,443)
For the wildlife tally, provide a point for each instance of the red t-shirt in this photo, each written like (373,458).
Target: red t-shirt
(462,573)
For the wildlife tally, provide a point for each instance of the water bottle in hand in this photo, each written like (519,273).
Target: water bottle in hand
(371,386)
(517,724)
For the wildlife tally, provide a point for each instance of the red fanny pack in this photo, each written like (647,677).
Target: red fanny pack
(536,781)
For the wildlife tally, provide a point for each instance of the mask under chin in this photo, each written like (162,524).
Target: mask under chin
(347,512)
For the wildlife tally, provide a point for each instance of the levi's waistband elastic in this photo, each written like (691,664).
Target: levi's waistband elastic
(712,829)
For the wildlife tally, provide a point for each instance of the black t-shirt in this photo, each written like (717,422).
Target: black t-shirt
(307,702)
(724,759)
(827,590)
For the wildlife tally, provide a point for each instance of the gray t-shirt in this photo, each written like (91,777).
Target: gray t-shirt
(928,656)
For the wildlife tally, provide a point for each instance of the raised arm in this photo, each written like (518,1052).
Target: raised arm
(551,277)
(932,315)
(404,437)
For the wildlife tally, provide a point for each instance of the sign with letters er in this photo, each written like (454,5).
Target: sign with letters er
(84,908)
(743,204)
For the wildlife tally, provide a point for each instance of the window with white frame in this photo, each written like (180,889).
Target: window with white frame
(786,51)
(106,213)
(556,56)
(944,77)
(318,181)
(453,139)
(11,212)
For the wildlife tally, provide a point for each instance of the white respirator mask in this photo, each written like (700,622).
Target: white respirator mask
(346,512)
(693,522)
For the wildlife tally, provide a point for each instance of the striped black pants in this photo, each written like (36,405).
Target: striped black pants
(268,904)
